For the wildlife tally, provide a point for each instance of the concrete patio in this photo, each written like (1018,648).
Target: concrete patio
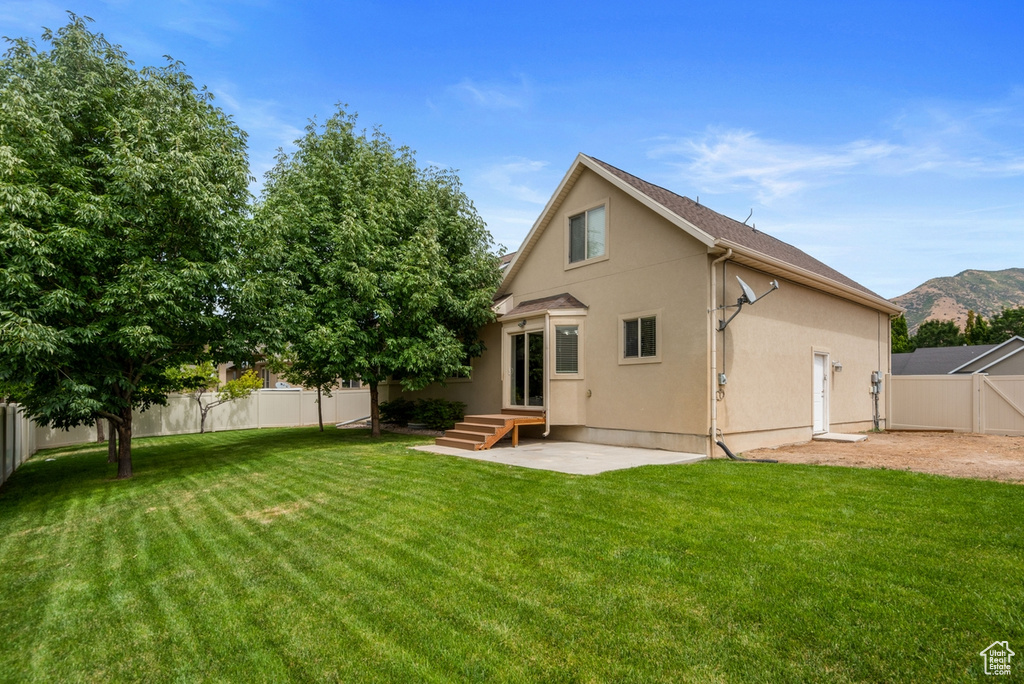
(576,458)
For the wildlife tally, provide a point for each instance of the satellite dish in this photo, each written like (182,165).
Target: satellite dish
(748,293)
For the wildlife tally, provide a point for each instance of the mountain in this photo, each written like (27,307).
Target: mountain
(949,298)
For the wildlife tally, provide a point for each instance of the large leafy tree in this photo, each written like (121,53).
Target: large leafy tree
(1006,324)
(391,265)
(938,334)
(900,337)
(123,194)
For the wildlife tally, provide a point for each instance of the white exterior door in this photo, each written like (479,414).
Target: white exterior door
(820,393)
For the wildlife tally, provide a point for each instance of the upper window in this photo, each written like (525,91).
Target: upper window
(640,337)
(587,235)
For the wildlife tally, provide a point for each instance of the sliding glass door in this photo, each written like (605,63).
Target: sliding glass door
(527,369)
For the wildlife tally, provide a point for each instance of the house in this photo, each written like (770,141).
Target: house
(994,359)
(271,380)
(610,321)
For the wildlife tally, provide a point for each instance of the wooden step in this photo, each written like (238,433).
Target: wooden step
(484,431)
(495,420)
(468,435)
(458,443)
(477,427)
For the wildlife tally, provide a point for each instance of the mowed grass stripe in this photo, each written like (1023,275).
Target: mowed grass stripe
(287,554)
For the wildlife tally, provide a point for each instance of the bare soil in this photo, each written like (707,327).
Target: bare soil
(987,457)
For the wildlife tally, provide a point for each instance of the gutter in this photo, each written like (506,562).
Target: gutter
(547,374)
(714,352)
(753,258)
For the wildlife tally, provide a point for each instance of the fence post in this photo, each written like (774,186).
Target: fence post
(977,399)
(888,400)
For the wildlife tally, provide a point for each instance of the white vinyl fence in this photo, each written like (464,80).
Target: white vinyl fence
(17,439)
(986,404)
(265,408)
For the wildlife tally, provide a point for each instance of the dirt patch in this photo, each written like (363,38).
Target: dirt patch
(987,457)
(268,515)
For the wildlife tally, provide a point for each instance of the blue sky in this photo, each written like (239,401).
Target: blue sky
(886,139)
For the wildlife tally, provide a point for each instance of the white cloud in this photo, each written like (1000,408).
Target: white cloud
(494,96)
(953,140)
(512,179)
(731,160)
(28,17)
(262,120)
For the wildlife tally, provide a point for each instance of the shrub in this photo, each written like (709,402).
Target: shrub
(438,414)
(398,411)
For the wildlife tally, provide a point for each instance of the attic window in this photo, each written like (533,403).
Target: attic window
(587,235)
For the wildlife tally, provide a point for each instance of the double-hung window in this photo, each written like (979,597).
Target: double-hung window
(640,337)
(587,235)
(567,349)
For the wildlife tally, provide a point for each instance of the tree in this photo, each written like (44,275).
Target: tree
(938,334)
(392,266)
(976,331)
(303,365)
(198,380)
(123,195)
(1006,324)
(900,337)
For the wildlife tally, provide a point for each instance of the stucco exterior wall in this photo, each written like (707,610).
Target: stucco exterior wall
(767,353)
(650,266)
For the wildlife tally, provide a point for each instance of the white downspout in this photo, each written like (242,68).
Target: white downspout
(547,375)
(714,352)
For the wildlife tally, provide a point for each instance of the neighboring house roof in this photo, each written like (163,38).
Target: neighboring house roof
(505,259)
(992,354)
(552,303)
(750,247)
(936,360)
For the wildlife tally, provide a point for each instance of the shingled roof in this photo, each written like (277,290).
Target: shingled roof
(552,303)
(724,228)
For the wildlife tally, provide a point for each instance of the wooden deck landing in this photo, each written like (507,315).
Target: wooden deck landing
(476,433)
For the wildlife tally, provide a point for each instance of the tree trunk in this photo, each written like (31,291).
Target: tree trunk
(319,409)
(100,437)
(202,418)
(374,411)
(124,454)
(111,442)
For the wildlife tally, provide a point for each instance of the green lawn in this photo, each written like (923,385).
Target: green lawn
(290,555)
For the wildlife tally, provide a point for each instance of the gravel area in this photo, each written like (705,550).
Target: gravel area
(988,457)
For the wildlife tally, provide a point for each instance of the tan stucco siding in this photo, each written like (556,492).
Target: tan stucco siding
(651,266)
(768,353)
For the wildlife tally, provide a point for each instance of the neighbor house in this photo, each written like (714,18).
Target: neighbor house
(610,321)
(1006,358)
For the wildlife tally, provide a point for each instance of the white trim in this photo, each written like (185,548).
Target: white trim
(826,391)
(580,346)
(999,360)
(543,312)
(990,351)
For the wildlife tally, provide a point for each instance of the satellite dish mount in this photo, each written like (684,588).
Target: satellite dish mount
(748,297)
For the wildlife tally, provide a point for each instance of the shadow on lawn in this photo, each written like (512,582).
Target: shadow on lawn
(81,469)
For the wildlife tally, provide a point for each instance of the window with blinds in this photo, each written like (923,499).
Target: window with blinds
(640,337)
(567,349)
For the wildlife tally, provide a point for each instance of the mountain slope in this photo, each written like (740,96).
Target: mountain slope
(949,298)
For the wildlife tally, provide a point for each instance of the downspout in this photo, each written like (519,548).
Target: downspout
(547,374)
(714,353)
